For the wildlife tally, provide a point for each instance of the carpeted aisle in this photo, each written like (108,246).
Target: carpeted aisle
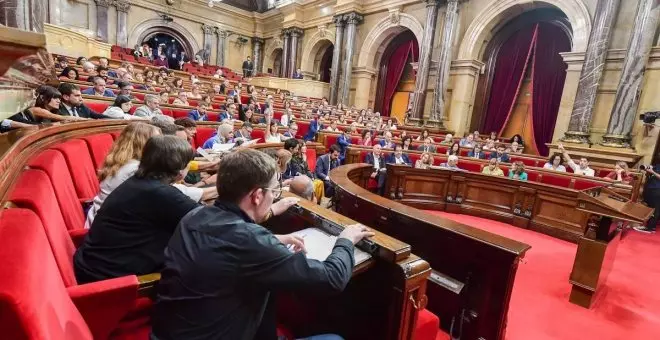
(539,310)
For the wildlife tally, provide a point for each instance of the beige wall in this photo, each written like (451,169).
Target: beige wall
(478,21)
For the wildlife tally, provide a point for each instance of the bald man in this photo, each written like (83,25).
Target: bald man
(303,187)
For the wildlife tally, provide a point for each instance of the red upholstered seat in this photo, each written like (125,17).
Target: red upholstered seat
(179,113)
(582,184)
(99,145)
(212,116)
(330,139)
(33,299)
(414,157)
(439,159)
(258,133)
(53,164)
(115,134)
(34,191)
(193,102)
(532,176)
(98,107)
(427,327)
(527,161)
(303,127)
(471,166)
(166,111)
(278,115)
(81,167)
(363,155)
(311,158)
(139,96)
(560,181)
(203,134)
(463,152)
(441,149)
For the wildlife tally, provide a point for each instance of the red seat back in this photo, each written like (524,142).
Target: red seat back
(311,158)
(582,184)
(98,107)
(258,133)
(80,165)
(527,161)
(53,164)
(203,134)
(330,139)
(99,145)
(532,176)
(303,127)
(560,181)
(179,113)
(34,191)
(470,165)
(33,299)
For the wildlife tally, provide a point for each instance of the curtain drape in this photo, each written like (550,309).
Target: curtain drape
(510,69)
(548,76)
(395,66)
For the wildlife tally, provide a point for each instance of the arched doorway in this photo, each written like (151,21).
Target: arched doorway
(276,57)
(149,29)
(163,43)
(396,78)
(521,88)
(325,63)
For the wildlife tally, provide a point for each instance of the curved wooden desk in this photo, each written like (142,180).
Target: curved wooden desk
(389,289)
(474,270)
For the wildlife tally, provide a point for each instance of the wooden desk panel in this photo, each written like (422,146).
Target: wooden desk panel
(485,263)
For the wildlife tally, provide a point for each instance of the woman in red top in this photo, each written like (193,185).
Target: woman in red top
(366,138)
(621,173)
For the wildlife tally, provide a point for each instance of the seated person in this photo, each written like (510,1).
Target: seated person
(398,157)
(454,149)
(324,165)
(222,267)
(579,169)
(189,126)
(332,127)
(271,134)
(291,132)
(477,153)
(45,109)
(343,141)
(120,109)
(427,146)
(449,140)
(621,173)
(121,163)
(228,113)
(500,155)
(451,164)
(489,146)
(493,168)
(181,99)
(518,171)
(245,132)
(554,163)
(150,108)
(132,228)
(199,114)
(424,162)
(516,148)
(68,73)
(72,103)
(223,135)
(299,166)
(99,89)
(387,142)
(366,139)
(377,161)
(302,186)
(467,142)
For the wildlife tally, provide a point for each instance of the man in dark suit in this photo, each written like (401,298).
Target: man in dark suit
(324,164)
(398,157)
(298,75)
(99,89)
(427,146)
(248,66)
(376,160)
(477,152)
(72,103)
(501,156)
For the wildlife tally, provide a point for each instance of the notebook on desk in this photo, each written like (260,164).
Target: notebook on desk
(319,245)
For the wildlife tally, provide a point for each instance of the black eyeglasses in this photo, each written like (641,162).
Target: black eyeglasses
(277,192)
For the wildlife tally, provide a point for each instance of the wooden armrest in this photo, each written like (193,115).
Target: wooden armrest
(147,284)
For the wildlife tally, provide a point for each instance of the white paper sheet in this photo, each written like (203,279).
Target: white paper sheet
(319,245)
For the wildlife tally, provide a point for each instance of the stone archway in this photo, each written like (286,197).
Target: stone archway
(150,27)
(270,53)
(382,33)
(315,46)
(482,28)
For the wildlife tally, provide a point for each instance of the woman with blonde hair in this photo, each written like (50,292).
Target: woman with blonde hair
(121,163)
(424,162)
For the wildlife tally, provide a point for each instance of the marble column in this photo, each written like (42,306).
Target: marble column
(24,15)
(296,36)
(626,102)
(220,46)
(422,77)
(284,69)
(256,54)
(122,22)
(208,35)
(352,20)
(336,59)
(102,19)
(592,72)
(444,65)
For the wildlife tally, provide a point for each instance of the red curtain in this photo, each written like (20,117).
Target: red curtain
(509,72)
(548,75)
(395,67)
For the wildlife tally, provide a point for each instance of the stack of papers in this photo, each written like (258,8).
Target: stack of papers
(319,245)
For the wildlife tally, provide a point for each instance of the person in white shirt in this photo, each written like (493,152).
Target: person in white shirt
(554,163)
(150,107)
(580,169)
(452,163)
(333,127)
(287,118)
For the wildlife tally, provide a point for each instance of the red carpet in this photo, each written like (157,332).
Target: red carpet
(539,310)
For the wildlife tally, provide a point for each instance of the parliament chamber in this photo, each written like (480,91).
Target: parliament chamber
(504,154)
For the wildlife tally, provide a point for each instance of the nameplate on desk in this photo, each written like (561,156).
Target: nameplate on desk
(446,282)
(319,245)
